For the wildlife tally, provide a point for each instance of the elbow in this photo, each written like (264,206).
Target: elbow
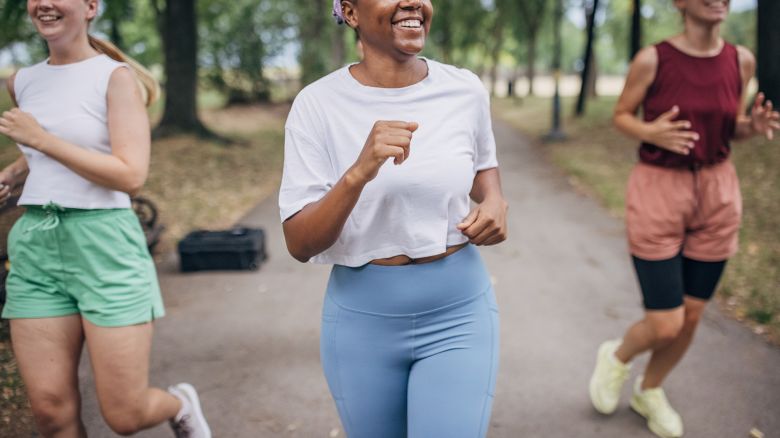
(616,120)
(133,184)
(298,254)
(301,258)
(297,249)
(620,124)
(133,190)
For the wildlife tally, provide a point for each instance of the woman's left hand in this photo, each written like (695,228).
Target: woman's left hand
(486,224)
(763,119)
(22,128)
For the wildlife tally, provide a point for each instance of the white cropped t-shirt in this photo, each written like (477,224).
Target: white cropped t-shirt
(412,209)
(69,102)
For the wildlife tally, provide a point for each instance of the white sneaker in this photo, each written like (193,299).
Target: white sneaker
(608,378)
(652,404)
(189,422)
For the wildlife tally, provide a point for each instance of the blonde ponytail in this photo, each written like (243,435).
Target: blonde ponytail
(150,88)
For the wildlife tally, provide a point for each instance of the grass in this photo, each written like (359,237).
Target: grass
(599,160)
(195,184)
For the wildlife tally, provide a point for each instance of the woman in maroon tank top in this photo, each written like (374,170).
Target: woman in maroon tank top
(683,205)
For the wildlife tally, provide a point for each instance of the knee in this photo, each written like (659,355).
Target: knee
(54,412)
(124,421)
(668,330)
(692,319)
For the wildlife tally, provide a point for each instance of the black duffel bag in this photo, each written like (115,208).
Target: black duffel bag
(235,249)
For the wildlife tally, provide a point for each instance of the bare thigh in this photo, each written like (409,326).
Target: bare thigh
(47,351)
(120,363)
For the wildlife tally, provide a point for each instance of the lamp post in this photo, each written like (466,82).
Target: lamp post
(556,133)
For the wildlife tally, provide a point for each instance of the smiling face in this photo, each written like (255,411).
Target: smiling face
(707,11)
(395,27)
(61,19)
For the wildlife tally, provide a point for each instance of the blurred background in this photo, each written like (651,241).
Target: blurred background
(230,69)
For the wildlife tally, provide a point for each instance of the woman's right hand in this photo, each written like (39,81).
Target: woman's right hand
(670,134)
(388,139)
(6,184)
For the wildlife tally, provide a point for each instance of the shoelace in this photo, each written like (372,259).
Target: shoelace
(658,402)
(181,428)
(52,219)
(617,376)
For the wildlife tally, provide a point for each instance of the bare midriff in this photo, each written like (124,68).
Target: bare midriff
(406,260)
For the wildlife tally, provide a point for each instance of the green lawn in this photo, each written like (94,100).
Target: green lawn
(599,160)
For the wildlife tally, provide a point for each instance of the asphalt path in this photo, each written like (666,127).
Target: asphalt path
(249,341)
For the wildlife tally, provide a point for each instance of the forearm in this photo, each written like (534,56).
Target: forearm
(487,186)
(18,170)
(631,125)
(317,227)
(106,170)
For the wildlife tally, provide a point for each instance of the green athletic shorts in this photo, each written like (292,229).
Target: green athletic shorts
(89,262)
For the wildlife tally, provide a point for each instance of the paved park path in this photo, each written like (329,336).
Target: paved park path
(249,341)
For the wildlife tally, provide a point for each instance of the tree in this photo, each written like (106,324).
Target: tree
(177,24)
(314,22)
(459,28)
(237,39)
(636,28)
(338,46)
(13,26)
(588,64)
(531,16)
(497,41)
(768,48)
(117,11)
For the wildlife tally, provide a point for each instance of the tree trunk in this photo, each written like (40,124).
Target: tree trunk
(531,60)
(446,44)
(769,48)
(116,35)
(178,28)
(636,29)
(495,54)
(593,76)
(587,67)
(338,48)
(311,29)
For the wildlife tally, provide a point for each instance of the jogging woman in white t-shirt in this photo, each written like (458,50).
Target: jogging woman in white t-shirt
(382,159)
(80,270)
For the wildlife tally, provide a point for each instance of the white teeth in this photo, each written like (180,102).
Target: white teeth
(410,23)
(48,18)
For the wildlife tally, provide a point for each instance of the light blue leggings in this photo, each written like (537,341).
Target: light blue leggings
(412,351)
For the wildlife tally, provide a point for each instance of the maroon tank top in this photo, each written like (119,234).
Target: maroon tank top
(708,92)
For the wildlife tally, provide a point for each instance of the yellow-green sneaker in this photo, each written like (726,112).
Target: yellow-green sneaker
(608,378)
(652,404)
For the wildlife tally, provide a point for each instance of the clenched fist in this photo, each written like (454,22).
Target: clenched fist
(388,139)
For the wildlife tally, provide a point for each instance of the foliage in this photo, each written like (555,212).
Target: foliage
(315,29)
(140,40)
(661,20)
(458,28)
(238,37)
(14,27)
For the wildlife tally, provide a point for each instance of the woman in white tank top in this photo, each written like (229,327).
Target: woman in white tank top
(80,270)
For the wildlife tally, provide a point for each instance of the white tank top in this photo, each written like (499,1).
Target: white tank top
(69,102)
